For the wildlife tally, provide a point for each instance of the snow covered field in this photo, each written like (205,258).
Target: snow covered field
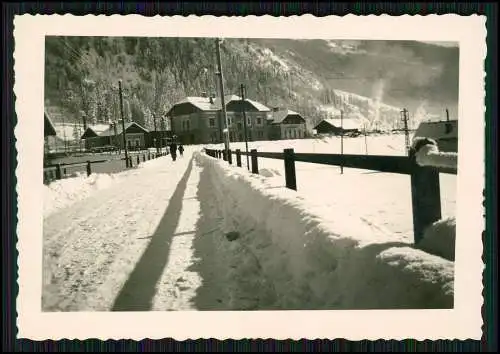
(197,234)
(383,199)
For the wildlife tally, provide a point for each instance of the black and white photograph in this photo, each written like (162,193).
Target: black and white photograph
(244,173)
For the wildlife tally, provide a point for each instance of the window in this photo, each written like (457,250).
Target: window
(249,121)
(211,122)
(259,121)
(239,126)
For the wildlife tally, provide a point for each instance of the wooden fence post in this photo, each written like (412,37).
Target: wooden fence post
(255,164)
(224,157)
(426,198)
(143,158)
(238,157)
(58,171)
(220,154)
(138,159)
(230,156)
(289,158)
(130,164)
(89,168)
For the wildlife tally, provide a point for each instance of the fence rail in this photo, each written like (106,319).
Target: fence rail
(60,170)
(425,187)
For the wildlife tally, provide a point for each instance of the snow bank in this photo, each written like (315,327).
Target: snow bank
(439,238)
(62,193)
(319,259)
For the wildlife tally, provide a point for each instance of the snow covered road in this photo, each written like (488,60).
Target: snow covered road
(154,240)
(111,250)
(196,234)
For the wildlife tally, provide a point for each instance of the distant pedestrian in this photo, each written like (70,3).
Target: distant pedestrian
(181,149)
(173,150)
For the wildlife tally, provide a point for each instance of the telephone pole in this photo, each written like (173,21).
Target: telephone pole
(123,123)
(222,99)
(342,140)
(242,87)
(404,118)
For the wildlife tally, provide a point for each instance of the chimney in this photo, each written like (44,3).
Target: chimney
(447,115)
(212,99)
(203,94)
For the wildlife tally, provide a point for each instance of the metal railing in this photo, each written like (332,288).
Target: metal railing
(65,170)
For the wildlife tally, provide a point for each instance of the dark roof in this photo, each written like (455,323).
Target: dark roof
(281,115)
(346,124)
(94,130)
(204,103)
(111,131)
(49,128)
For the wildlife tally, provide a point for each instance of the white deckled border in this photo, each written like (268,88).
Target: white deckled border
(464,322)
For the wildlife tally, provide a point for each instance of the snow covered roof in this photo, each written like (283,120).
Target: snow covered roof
(95,129)
(204,103)
(438,130)
(280,116)
(348,123)
(111,131)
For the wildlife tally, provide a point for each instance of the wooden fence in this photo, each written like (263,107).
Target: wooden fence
(63,170)
(425,187)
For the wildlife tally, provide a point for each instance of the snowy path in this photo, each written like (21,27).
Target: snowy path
(153,241)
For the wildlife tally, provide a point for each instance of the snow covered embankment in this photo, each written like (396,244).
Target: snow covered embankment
(310,259)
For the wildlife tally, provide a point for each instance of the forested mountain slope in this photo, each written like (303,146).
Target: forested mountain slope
(373,79)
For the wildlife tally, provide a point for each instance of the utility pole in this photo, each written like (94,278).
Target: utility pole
(156,132)
(123,122)
(242,87)
(342,140)
(222,99)
(366,143)
(404,118)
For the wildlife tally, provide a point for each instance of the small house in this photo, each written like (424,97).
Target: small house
(286,124)
(444,132)
(99,136)
(339,126)
(49,131)
(93,138)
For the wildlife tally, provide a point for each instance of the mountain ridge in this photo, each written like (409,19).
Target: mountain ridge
(372,79)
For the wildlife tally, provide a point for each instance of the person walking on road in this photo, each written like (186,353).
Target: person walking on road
(173,150)
(181,149)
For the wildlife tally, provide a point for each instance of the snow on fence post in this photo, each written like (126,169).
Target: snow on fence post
(425,188)
(290,178)
(255,164)
(238,157)
(229,156)
(58,171)
(89,168)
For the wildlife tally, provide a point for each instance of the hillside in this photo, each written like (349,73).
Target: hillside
(370,79)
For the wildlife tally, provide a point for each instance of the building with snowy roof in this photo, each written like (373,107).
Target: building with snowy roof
(444,132)
(199,120)
(338,126)
(286,124)
(101,135)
